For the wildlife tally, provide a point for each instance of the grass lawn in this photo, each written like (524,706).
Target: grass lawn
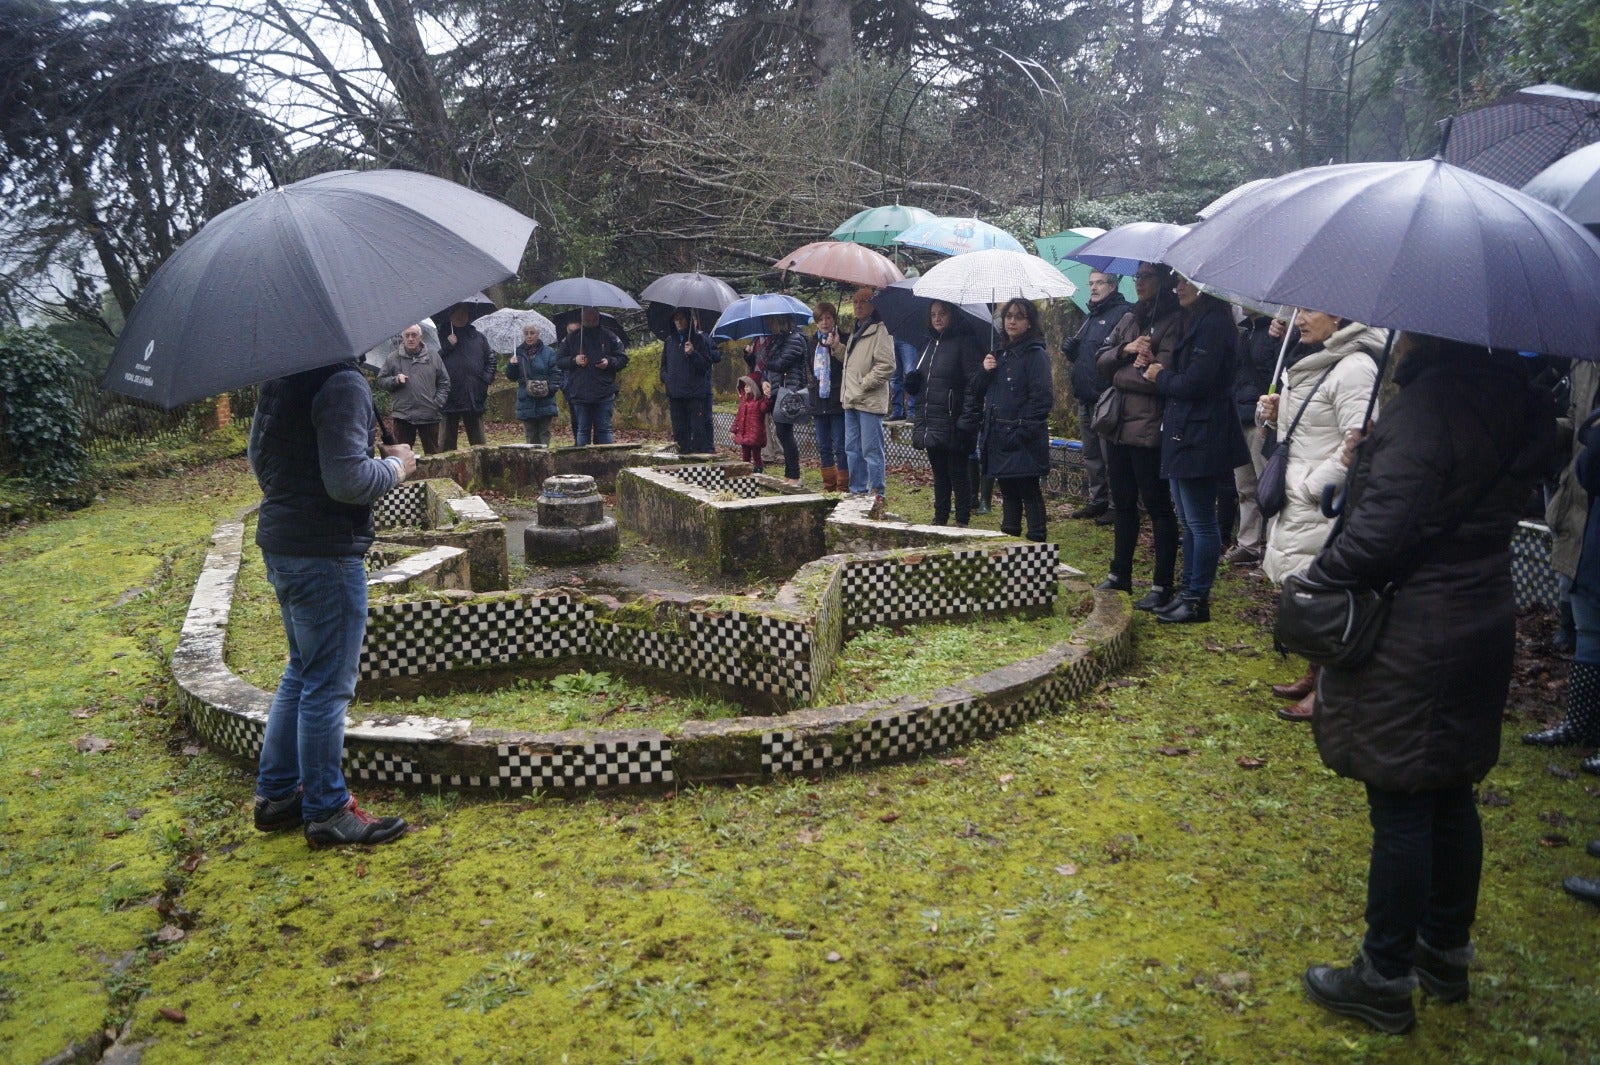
(1140,878)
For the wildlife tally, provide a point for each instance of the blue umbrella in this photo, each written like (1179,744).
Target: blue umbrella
(905,314)
(584,292)
(746,316)
(1056,250)
(1425,247)
(957,236)
(1121,250)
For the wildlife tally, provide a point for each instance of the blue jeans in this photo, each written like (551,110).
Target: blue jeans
(591,422)
(902,404)
(323,602)
(830,440)
(1427,857)
(863,449)
(1586,623)
(1195,500)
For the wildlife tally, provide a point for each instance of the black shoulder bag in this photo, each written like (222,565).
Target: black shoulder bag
(1335,625)
(1272,487)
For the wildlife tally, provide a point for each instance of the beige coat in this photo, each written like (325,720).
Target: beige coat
(1568,510)
(868,367)
(1297,532)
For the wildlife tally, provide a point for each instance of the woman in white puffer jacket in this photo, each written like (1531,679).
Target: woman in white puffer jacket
(1341,355)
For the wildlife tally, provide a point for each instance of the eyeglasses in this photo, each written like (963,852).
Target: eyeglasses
(1146,275)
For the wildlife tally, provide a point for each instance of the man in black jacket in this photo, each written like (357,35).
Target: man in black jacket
(1106,308)
(470,364)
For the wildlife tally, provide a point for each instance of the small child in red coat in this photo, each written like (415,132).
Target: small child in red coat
(750,424)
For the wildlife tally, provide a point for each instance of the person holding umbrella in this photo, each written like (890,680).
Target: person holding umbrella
(1008,403)
(868,366)
(416,379)
(1201,441)
(311,450)
(687,356)
(785,367)
(1133,443)
(591,357)
(470,364)
(533,367)
(827,412)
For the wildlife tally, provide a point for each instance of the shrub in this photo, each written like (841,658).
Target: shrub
(40,423)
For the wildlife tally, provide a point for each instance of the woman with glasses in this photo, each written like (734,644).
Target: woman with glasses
(1133,444)
(938,382)
(1201,441)
(1009,404)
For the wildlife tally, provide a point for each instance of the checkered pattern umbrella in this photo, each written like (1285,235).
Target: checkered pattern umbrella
(1513,139)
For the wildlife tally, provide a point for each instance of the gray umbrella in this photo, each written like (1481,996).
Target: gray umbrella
(1425,247)
(1571,185)
(584,292)
(696,290)
(309,274)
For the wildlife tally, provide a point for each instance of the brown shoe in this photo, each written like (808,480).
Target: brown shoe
(1301,711)
(829,479)
(1298,689)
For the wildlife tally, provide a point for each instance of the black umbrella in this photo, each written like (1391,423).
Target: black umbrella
(312,273)
(905,314)
(584,292)
(574,316)
(476,305)
(658,316)
(1514,138)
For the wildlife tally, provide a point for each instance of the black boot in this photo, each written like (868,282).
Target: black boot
(1583,887)
(1581,726)
(1157,598)
(1114,583)
(1360,992)
(1185,611)
(1443,973)
(985,495)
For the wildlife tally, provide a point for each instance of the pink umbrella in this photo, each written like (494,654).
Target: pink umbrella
(837,260)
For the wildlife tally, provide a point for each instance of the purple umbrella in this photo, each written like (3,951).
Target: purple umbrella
(1121,250)
(1514,138)
(1424,246)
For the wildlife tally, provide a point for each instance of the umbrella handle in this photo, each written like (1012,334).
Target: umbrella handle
(383,430)
(1283,353)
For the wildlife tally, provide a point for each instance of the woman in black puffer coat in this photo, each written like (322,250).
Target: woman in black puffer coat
(1010,405)
(950,360)
(1418,721)
(785,367)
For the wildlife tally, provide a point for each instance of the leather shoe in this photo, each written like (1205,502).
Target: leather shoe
(1107,518)
(1358,991)
(1583,887)
(1297,689)
(1304,710)
(1092,510)
(1444,974)
(1185,612)
(1593,848)
(1114,583)
(1157,598)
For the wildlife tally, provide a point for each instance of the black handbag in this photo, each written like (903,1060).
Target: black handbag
(1272,486)
(790,406)
(1107,412)
(1338,625)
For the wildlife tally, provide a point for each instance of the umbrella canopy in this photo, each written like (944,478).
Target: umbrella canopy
(905,313)
(1121,250)
(476,305)
(306,275)
(1228,197)
(691,290)
(838,260)
(1056,249)
(376,356)
(958,236)
(658,318)
(1425,247)
(746,316)
(993,276)
(1514,138)
(878,226)
(503,329)
(1571,185)
(584,292)
(574,316)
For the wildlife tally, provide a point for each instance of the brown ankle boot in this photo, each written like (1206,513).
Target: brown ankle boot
(830,479)
(1297,689)
(1304,710)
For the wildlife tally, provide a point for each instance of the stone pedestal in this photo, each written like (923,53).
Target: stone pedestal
(571,526)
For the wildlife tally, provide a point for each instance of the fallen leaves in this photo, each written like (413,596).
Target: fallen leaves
(176,1016)
(1250,762)
(93,745)
(1173,752)
(1067,869)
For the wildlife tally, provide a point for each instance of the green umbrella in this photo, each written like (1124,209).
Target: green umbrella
(878,226)
(1055,248)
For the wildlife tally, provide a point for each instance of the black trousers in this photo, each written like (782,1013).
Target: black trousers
(1019,495)
(1135,476)
(691,424)
(791,449)
(410,432)
(950,478)
(454,420)
(1427,860)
